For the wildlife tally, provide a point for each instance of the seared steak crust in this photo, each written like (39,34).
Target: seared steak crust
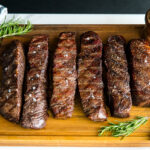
(64,76)
(117,76)
(35,104)
(13,66)
(140,62)
(90,76)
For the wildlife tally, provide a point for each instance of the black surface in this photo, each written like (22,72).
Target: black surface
(76,6)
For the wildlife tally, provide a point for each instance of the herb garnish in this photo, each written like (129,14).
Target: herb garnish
(123,129)
(13,27)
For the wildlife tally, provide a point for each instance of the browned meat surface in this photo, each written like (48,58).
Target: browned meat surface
(13,66)
(64,76)
(117,76)
(90,76)
(35,104)
(140,62)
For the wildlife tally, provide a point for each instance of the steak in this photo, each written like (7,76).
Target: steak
(140,71)
(90,76)
(35,103)
(13,66)
(118,80)
(64,76)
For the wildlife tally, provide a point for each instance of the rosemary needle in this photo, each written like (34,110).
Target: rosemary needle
(13,27)
(123,129)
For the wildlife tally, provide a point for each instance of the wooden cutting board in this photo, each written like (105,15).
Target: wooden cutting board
(78,130)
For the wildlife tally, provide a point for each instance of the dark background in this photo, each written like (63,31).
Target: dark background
(76,6)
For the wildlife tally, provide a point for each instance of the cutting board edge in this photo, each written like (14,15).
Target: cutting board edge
(76,141)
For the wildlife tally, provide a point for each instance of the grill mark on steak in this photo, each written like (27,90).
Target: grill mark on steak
(35,103)
(117,76)
(90,76)
(13,66)
(140,66)
(64,76)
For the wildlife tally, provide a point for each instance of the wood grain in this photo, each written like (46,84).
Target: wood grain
(78,130)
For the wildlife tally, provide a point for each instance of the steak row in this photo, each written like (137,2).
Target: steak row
(23,91)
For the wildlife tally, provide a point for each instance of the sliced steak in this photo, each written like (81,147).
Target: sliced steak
(90,76)
(117,76)
(140,70)
(13,66)
(35,103)
(64,76)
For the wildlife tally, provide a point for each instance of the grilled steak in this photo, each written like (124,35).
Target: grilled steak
(90,76)
(117,76)
(140,62)
(35,104)
(64,76)
(13,66)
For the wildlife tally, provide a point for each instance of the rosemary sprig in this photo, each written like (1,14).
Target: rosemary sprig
(123,129)
(13,27)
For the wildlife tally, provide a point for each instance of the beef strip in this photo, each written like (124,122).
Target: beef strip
(117,76)
(140,70)
(13,66)
(90,76)
(35,103)
(64,76)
